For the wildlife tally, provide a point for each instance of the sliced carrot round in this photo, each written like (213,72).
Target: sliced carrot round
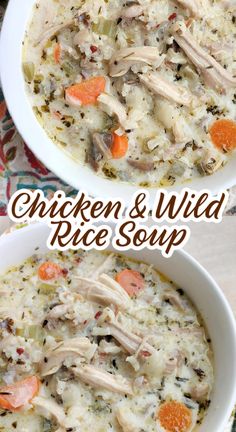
(120,146)
(174,417)
(86,92)
(223,134)
(131,280)
(49,270)
(15,396)
(57,53)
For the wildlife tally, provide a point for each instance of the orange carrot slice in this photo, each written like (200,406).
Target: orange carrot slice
(15,396)
(86,92)
(120,146)
(57,53)
(131,280)
(174,417)
(49,270)
(223,134)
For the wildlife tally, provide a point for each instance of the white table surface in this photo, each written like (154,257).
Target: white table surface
(214,246)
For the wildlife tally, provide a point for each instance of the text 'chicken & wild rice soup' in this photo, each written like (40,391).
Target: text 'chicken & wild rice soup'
(96,341)
(143,91)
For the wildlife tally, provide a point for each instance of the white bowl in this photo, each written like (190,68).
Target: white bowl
(78,176)
(199,286)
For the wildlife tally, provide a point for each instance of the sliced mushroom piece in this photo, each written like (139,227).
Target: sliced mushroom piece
(142,165)
(72,348)
(123,59)
(168,90)
(101,293)
(111,105)
(210,164)
(49,409)
(102,141)
(93,157)
(193,6)
(100,379)
(214,74)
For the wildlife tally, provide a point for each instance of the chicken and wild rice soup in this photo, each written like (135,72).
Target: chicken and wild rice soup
(143,91)
(96,341)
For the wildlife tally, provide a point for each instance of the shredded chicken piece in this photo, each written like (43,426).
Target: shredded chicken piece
(129,341)
(111,105)
(176,360)
(168,90)
(193,6)
(104,266)
(214,74)
(50,409)
(172,119)
(101,379)
(52,31)
(171,365)
(127,420)
(77,347)
(58,311)
(70,50)
(133,11)
(109,347)
(83,36)
(123,59)
(6,314)
(103,293)
(174,299)
(219,49)
(229,4)
(200,391)
(111,283)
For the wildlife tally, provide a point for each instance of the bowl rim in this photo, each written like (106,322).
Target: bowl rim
(189,260)
(72,173)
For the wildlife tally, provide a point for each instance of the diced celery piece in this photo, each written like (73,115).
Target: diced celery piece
(68,67)
(105,27)
(46,288)
(35,332)
(28,69)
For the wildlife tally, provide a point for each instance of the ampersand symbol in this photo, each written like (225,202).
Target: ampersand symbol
(139,209)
